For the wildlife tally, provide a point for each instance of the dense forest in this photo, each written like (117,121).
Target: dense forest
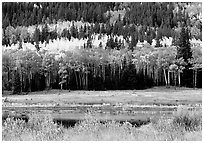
(116,45)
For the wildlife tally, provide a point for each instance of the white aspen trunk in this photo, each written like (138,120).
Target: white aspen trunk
(179,78)
(168,78)
(61,85)
(165,77)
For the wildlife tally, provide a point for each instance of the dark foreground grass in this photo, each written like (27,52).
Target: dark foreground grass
(183,126)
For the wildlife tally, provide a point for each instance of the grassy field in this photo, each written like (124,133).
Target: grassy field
(181,124)
(184,125)
(153,96)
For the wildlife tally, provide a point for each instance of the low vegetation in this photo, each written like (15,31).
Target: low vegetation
(183,125)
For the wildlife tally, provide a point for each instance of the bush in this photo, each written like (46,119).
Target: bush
(190,120)
(12,129)
(37,128)
(182,122)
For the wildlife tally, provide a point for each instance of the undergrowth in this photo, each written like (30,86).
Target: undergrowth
(183,125)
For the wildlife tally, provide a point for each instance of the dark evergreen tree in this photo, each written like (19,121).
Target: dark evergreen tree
(102,28)
(110,43)
(158,43)
(81,32)
(74,31)
(134,41)
(36,35)
(96,27)
(20,44)
(184,49)
(16,83)
(89,42)
(45,33)
(108,29)
(115,29)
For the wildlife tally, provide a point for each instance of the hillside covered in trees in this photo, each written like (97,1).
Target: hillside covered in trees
(100,45)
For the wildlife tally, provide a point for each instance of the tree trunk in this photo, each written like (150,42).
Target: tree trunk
(165,77)
(84,80)
(21,82)
(179,78)
(110,67)
(195,78)
(119,73)
(76,79)
(66,83)
(61,85)
(80,80)
(87,80)
(104,75)
(30,79)
(168,78)
(175,79)
(8,78)
(49,80)
(93,77)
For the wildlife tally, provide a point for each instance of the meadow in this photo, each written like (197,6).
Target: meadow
(184,125)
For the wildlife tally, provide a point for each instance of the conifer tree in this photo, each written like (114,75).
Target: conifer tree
(16,83)
(184,49)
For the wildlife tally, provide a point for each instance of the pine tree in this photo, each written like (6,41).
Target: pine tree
(134,41)
(89,42)
(73,31)
(36,35)
(16,83)
(45,33)
(184,49)
(110,43)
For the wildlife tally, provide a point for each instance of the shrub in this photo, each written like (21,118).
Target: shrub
(190,120)
(12,129)
(182,122)
(37,128)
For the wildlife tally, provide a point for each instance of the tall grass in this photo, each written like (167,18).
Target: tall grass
(190,120)
(38,128)
(183,125)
